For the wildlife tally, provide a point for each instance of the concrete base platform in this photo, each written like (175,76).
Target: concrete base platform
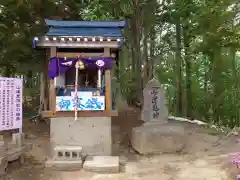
(67,132)
(62,165)
(102,164)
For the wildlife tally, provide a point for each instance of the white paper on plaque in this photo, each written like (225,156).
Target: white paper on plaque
(10,103)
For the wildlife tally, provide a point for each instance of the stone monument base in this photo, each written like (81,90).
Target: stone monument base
(154,138)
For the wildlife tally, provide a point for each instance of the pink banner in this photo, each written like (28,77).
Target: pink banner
(10,103)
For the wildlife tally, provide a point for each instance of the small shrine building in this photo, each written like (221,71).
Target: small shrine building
(82,56)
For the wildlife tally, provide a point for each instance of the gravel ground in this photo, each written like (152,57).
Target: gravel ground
(205,156)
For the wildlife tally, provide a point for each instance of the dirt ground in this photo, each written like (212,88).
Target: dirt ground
(205,157)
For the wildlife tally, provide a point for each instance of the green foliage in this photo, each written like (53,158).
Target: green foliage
(210,37)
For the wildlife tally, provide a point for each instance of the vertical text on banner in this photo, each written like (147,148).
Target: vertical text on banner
(10,103)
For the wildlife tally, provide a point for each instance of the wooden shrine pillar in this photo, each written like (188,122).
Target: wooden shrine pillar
(108,93)
(52,90)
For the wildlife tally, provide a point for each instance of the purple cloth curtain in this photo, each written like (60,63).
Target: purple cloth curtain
(59,65)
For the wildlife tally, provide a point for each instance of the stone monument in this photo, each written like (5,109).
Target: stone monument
(156,135)
(154,103)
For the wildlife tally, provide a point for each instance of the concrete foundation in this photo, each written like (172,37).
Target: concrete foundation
(92,133)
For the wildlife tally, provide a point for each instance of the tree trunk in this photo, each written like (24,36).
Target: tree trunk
(236,86)
(206,89)
(216,83)
(137,36)
(7,71)
(146,59)
(43,102)
(178,68)
(233,55)
(29,79)
(132,42)
(152,52)
(187,58)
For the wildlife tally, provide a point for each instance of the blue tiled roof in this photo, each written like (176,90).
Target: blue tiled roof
(85,28)
(103,24)
(105,32)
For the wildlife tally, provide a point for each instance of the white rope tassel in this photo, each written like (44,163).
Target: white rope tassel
(76,91)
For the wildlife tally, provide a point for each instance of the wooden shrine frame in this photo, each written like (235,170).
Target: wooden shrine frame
(52,92)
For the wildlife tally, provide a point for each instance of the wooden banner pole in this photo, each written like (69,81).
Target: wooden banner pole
(76,90)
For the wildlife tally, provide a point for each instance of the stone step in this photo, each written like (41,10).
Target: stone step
(102,164)
(64,165)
